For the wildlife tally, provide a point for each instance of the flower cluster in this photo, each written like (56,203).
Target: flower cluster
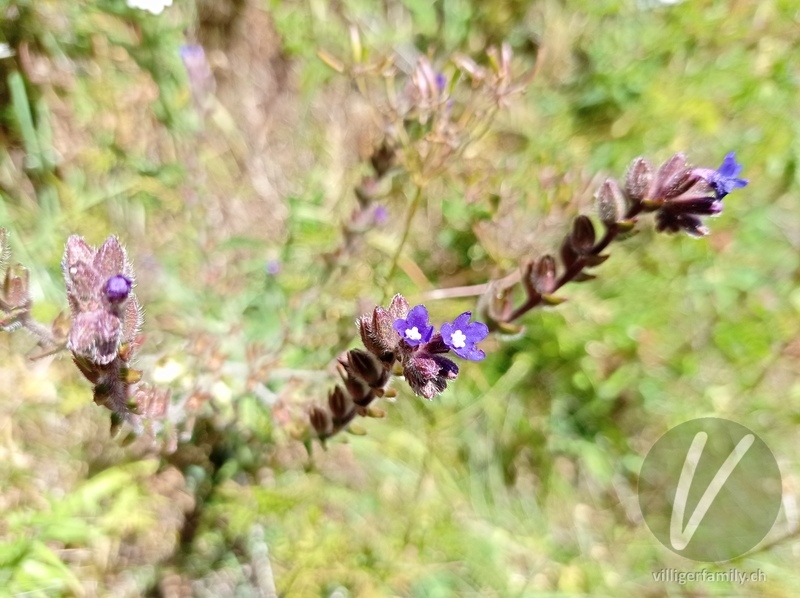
(679,195)
(105,322)
(421,352)
(399,334)
(201,78)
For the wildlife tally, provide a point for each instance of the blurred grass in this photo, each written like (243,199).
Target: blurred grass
(520,480)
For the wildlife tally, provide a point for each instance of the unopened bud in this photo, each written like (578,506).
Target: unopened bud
(16,293)
(611,203)
(638,179)
(342,408)
(367,367)
(321,422)
(544,275)
(583,235)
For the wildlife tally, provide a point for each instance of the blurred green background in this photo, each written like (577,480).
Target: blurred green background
(233,200)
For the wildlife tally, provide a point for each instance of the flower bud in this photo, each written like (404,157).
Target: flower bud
(321,422)
(611,203)
(673,167)
(680,183)
(384,337)
(382,159)
(95,335)
(341,406)
(638,179)
(427,375)
(363,365)
(399,307)
(568,254)
(15,290)
(544,275)
(583,235)
(361,394)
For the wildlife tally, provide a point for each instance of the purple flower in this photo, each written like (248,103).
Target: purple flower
(201,78)
(381,215)
(117,288)
(441,81)
(725,178)
(272,267)
(414,329)
(462,335)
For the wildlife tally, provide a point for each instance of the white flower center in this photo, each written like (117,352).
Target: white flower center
(413,334)
(458,338)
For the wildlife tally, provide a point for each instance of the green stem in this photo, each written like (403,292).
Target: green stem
(412,210)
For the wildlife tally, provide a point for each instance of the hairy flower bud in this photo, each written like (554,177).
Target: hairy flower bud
(363,365)
(106,318)
(15,292)
(544,275)
(361,394)
(383,159)
(321,422)
(583,235)
(568,254)
(611,203)
(638,179)
(341,406)
(399,307)
(427,375)
(668,178)
(383,335)
(95,335)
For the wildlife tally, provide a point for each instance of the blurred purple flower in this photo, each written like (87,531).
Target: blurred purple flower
(414,329)
(726,178)
(201,79)
(272,267)
(381,215)
(462,335)
(441,81)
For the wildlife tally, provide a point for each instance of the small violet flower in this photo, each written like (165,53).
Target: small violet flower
(725,179)
(414,329)
(273,267)
(117,288)
(381,215)
(462,335)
